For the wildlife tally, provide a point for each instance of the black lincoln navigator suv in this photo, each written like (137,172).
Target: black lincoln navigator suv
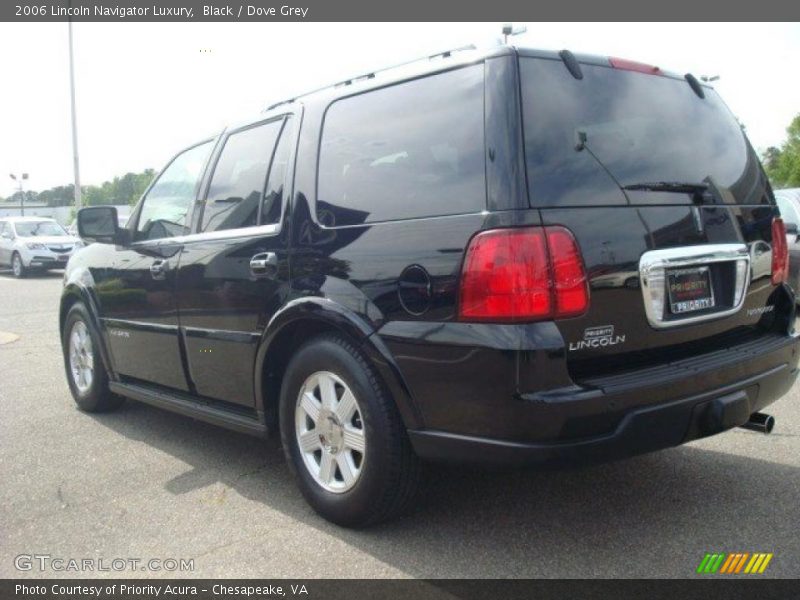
(507,256)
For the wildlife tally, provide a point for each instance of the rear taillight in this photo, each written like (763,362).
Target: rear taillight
(525,274)
(569,278)
(780,252)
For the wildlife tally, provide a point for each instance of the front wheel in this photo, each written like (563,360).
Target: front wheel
(17,266)
(86,373)
(343,436)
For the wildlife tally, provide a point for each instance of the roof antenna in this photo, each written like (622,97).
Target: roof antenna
(509,29)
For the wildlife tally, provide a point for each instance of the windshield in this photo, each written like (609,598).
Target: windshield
(39,229)
(580,135)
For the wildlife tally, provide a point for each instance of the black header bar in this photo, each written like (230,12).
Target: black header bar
(406,10)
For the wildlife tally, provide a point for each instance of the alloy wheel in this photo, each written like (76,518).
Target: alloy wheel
(330,432)
(81,357)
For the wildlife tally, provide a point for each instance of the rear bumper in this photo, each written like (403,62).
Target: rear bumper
(475,417)
(643,430)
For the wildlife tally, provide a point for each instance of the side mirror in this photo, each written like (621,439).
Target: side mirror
(6,235)
(791,228)
(100,224)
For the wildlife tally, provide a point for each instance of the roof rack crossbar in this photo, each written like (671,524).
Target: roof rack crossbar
(371,74)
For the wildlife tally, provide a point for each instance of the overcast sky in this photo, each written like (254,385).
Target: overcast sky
(146,90)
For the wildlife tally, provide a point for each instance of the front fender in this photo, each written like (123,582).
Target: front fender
(78,287)
(336,316)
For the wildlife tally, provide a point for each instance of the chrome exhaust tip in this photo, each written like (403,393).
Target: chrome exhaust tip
(760,422)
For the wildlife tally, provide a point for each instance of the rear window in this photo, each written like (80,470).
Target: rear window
(410,150)
(642,128)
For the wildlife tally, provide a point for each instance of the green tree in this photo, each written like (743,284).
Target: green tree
(120,190)
(61,195)
(783,164)
(93,195)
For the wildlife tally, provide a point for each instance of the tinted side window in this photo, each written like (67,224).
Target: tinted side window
(239,177)
(413,149)
(273,193)
(167,207)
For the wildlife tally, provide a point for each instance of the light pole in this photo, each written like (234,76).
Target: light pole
(19,181)
(75,163)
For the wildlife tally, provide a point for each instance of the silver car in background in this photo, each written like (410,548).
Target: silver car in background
(789,205)
(35,243)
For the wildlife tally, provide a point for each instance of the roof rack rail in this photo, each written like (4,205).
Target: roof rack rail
(371,75)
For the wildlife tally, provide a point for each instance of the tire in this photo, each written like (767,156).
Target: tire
(388,473)
(86,374)
(17,266)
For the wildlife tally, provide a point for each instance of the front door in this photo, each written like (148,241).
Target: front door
(136,295)
(233,273)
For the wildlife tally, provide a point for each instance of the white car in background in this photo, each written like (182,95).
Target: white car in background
(789,204)
(35,243)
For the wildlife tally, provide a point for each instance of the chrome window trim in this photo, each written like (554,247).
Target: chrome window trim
(653,265)
(222,234)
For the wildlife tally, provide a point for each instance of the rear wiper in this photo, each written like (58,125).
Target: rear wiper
(583,144)
(678,187)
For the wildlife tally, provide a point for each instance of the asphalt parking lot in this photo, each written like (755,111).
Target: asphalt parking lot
(145,483)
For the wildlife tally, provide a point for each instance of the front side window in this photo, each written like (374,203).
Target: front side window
(167,208)
(237,185)
(414,149)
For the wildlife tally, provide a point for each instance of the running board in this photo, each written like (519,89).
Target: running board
(190,407)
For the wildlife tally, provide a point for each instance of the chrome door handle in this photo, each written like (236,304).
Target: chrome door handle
(159,268)
(265,264)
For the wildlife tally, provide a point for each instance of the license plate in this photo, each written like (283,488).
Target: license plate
(689,290)
(63,258)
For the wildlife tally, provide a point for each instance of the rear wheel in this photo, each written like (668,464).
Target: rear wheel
(343,436)
(17,266)
(86,374)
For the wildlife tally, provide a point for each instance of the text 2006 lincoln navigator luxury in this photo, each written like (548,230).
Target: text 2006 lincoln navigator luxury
(508,255)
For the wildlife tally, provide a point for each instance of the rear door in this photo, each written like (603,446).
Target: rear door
(233,271)
(668,202)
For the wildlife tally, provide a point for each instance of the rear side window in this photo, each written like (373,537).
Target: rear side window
(642,128)
(237,185)
(410,150)
(274,192)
